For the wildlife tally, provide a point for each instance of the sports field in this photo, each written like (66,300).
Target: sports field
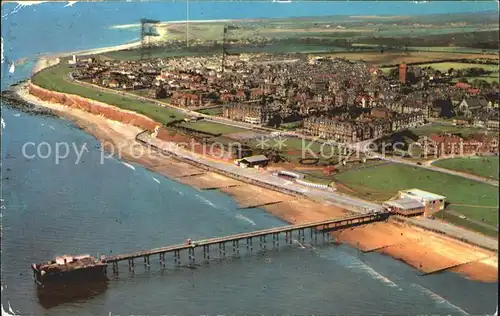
(480,166)
(475,200)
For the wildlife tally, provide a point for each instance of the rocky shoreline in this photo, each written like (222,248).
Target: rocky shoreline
(11,99)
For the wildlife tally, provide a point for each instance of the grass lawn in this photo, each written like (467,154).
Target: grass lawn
(455,220)
(437,128)
(481,166)
(55,79)
(473,199)
(214,128)
(212,111)
(443,67)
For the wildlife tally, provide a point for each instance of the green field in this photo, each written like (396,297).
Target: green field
(490,231)
(481,166)
(437,128)
(216,111)
(443,67)
(213,128)
(473,199)
(55,79)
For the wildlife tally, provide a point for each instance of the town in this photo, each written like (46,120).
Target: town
(332,98)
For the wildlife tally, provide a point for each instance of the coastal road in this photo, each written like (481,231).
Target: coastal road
(331,197)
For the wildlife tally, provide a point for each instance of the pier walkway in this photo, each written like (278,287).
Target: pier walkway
(291,232)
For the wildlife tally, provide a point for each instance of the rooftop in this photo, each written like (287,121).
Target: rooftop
(257,158)
(405,204)
(428,196)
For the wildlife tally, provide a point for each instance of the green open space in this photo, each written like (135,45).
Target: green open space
(465,223)
(444,67)
(475,200)
(212,127)
(216,111)
(483,166)
(56,79)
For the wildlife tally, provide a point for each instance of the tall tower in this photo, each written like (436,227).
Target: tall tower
(147,30)
(402,73)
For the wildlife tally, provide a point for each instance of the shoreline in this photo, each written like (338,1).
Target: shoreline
(423,255)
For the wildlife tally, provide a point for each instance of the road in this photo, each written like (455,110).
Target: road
(331,197)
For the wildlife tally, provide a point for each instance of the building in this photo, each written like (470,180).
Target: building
(405,206)
(433,202)
(470,105)
(403,68)
(347,130)
(250,112)
(450,144)
(253,161)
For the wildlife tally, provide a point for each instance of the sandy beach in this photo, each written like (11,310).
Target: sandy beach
(421,249)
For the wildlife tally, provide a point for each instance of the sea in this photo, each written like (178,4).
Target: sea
(89,204)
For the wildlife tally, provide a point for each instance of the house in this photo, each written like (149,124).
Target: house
(253,161)
(433,202)
(405,206)
(470,105)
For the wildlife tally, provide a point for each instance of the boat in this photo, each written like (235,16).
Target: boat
(68,268)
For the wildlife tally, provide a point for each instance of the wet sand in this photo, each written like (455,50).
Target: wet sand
(426,251)
(421,249)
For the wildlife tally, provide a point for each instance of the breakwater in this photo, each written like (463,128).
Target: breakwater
(12,100)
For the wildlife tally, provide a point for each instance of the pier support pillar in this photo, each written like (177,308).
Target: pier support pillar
(131,265)
(206,253)
(249,245)
(191,256)
(162,259)
(146,262)
(177,258)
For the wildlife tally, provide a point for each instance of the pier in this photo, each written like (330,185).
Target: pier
(312,232)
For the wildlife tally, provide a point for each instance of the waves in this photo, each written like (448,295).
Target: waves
(10,310)
(437,298)
(206,201)
(241,217)
(126,164)
(351,262)
(246,219)
(138,25)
